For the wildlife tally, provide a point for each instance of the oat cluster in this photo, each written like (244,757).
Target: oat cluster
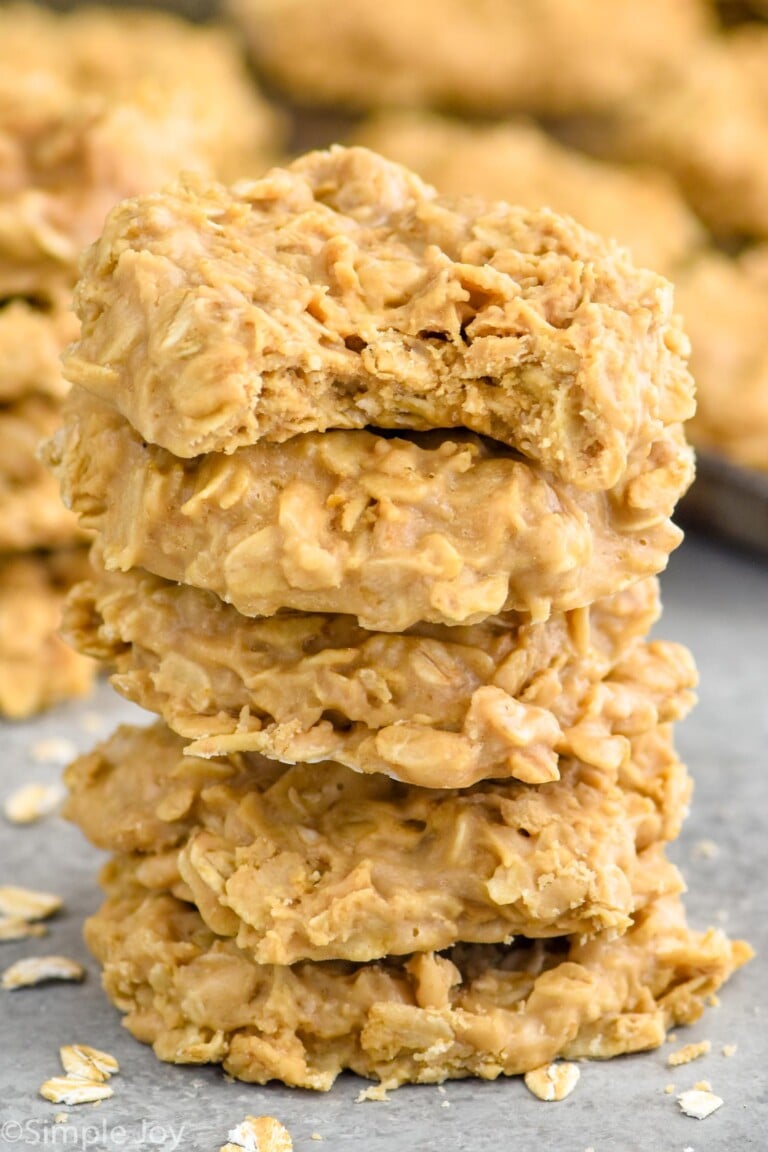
(380,483)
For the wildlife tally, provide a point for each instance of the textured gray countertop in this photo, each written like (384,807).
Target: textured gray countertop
(715,601)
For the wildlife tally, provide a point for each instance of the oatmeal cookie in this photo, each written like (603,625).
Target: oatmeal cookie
(437,706)
(707,131)
(518,162)
(37,668)
(488,56)
(32,340)
(477,1010)
(98,105)
(343,293)
(31,512)
(440,527)
(725,303)
(324,863)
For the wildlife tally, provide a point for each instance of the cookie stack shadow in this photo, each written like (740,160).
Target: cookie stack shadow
(380,484)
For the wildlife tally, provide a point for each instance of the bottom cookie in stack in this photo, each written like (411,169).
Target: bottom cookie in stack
(265,916)
(474,1010)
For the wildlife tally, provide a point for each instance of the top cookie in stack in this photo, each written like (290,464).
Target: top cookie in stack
(380,483)
(94,106)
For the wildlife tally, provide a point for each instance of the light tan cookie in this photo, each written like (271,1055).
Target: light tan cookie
(32,514)
(442,527)
(439,706)
(323,863)
(32,340)
(725,304)
(97,105)
(548,56)
(708,130)
(478,1010)
(37,668)
(518,162)
(388,307)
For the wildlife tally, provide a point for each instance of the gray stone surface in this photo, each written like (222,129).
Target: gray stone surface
(717,602)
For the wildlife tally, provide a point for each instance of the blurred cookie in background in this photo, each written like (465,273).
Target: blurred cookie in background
(519,162)
(490,56)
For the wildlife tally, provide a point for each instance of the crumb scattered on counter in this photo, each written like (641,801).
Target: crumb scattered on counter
(259,1134)
(87,1071)
(33,970)
(688,1053)
(699,1103)
(374,1092)
(553,1081)
(33,802)
(56,750)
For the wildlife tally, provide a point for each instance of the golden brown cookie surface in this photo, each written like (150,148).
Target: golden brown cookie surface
(445,527)
(518,162)
(477,1011)
(342,293)
(438,706)
(320,862)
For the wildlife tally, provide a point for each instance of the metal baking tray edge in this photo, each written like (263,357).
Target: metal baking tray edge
(727,501)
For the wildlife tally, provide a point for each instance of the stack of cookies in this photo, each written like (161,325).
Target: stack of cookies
(380,483)
(94,106)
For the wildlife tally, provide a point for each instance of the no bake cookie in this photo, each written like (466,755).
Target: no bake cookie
(323,863)
(490,56)
(436,706)
(443,527)
(477,1010)
(342,292)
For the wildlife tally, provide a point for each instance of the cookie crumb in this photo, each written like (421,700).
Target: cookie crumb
(688,1053)
(552,1081)
(699,1103)
(375,1092)
(729,1049)
(61,1118)
(258,1134)
(26,904)
(57,750)
(14,928)
(706,849)
(669,1089)
(32,802)
(92,722)
(87,1070)
(70,1090)
(34,970)
(703,1086)
(87,1063)
(315,1136)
